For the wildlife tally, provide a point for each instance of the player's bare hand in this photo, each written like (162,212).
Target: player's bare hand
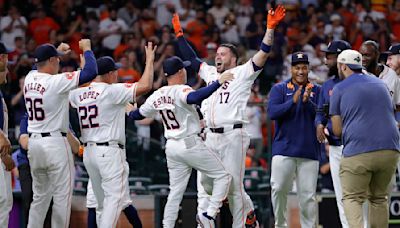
(8,162)
(320,133)
(176,24)
(5,145)
(226,76)
(64,48)
(85,45)
(275,16)
(297,94)
(3,62)
(129,108)
(150,52)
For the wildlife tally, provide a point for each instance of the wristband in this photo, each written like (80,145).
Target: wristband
(265,47)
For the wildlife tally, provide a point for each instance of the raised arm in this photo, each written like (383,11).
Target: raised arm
(197,96)
(187,52)
(145,84)
(273,19)
(89,71)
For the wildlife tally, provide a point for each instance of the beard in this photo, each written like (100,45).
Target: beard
(333,71)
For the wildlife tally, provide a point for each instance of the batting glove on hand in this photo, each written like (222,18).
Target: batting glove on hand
(275,16)
(176,24)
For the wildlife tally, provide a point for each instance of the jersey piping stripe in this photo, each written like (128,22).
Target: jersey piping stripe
(241,180)
(117,212)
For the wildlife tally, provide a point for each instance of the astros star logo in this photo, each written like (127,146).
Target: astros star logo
(300,55)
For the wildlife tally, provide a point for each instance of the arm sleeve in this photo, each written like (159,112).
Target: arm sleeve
(188,53)
(320,117)
(277,107)
(136,115)
(196,97)
(23,126)
(334,107)
(89,71)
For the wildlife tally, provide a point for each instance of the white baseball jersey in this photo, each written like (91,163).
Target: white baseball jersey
(46,100)
(101,110)
(180,119)
(390,78)
(228,104)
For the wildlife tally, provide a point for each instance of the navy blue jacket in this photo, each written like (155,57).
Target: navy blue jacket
(324,96)
(294,123)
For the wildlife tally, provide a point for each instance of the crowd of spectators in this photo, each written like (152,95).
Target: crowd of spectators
(120,28)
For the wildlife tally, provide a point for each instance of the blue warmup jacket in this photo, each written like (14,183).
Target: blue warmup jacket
(294,123)
(324,96)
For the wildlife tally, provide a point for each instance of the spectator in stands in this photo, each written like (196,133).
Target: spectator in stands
(255,117)
(255,31)
(335,29)
(211,52)
(129,13)
(394,19)
(186,13)
(230,30)
(196,29)
(18,106)
(111,29)
(12,26)
(219,12)
(243,11)
(212,33)
(164,10)
(127,73)
(41,27)
(147,24)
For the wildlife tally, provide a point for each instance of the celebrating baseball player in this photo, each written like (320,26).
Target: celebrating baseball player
(101,110)
(225,112)
(6,162)
(46,100)
(292,104)
(323,122)
(185,149)
(393,60)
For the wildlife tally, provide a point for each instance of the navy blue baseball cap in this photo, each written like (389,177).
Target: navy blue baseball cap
(106,64)
(394,49)
(45,52)
(337,46)
(173,65)
(3,49)
(299,57)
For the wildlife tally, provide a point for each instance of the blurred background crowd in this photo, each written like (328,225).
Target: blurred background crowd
(120,28)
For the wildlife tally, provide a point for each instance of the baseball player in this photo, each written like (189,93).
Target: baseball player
(101,110)
(6,162)
(184,148)
(24,168)
(324,125)
(46,100)
(292,105)
(225,113)
(393,60)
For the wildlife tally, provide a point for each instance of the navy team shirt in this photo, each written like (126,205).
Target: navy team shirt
(324,96)
(367,113)
(294,123)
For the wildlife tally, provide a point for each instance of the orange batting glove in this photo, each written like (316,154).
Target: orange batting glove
(81,149)
(275,16)
(176,24)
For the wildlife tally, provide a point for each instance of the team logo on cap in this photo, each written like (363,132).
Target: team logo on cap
(357,59)
(300,55)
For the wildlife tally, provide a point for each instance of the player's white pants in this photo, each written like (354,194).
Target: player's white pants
(231,147)
(52,169)
(6,197)
(335,154)
(108,172)
(284,169)
(91,201)
(182,156)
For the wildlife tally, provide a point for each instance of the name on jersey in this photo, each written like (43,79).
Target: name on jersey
(34,86)
(88,95)
(163,100)
(224,86)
